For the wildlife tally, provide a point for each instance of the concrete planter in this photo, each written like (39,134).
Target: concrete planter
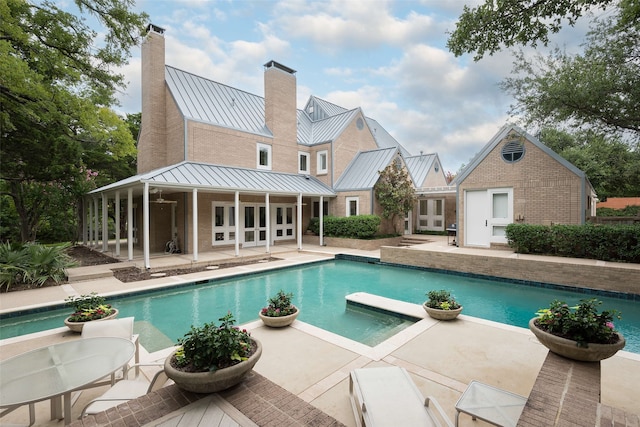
(211,382)
(77,326)
(281,321)
(439,314)
(569,348)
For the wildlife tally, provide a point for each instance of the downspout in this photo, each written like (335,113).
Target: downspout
(583,205)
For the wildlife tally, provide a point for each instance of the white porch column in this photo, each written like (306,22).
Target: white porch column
(145,225)
(195,224)
(95,222)
(321,221)
(117,215)
(299,224)
(266,203)
(90,222)
(130,224)
(236,214)
(84,221)
(105,224)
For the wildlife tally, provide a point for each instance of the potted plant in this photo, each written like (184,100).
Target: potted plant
(441,305)
(580,332)
(88,308)
(279,312)
(212,358)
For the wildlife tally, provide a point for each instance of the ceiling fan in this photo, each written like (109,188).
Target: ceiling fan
(160,200)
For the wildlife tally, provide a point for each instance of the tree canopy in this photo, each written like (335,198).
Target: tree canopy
(395,192)
(56,86)
(598,89)
(487,28)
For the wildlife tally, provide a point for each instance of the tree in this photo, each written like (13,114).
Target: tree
(612,167)
(56,87)
(486,28)
(395,192)
(598,90)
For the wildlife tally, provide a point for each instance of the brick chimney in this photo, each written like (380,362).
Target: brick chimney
(281,112)
(152,144)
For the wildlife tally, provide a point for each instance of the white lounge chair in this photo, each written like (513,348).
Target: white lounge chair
(388,397)
(121,328)
(126,389)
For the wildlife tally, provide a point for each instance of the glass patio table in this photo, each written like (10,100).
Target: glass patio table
(493,405)
(54,371)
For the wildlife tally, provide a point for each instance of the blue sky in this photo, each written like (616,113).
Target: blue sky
(387,57)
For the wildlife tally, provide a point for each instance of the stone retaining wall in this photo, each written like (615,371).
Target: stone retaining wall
(607,276)
(362,244)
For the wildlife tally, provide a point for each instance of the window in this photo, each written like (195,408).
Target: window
(352,206)
(303,162)
(264,156)
(316,209)
(322,162)
(513,151)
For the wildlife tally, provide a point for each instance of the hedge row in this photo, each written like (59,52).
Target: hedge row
(351,227)
(602,242)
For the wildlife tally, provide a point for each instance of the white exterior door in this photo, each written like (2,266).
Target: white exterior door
(487,214)
(255,225)
(407,223)
(431,215)
(476,221)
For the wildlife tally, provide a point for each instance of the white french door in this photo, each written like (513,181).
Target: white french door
(254,221)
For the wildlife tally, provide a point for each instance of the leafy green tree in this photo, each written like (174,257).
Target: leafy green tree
(599,89)
(487,28)
(395,192)
(56,86)
(613,168)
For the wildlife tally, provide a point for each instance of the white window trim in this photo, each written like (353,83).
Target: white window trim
(318,161)
(304,154)
(348,202)
(260,147)
(500,222)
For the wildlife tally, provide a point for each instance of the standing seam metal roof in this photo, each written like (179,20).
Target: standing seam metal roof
(225,178)
(362,172)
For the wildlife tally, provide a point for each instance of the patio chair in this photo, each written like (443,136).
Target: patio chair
(121,328)
(126,389)
(388,397)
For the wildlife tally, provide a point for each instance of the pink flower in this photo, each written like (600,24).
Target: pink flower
(609,325)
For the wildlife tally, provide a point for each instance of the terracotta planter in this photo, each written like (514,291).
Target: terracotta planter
(569,348)
(281,321)
(211,382)
(77,326)
(439,314)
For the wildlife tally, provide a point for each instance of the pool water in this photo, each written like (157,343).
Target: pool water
(319,292)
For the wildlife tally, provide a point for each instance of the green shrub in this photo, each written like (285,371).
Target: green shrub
(352,227)
(32,264)
(602,242)
(627,211)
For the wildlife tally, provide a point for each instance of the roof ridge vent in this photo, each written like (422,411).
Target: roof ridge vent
(274,64)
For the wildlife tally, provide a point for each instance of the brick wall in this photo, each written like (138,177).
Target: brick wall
(611,277)
(544,191)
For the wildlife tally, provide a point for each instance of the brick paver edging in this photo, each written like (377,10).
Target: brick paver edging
(259,399)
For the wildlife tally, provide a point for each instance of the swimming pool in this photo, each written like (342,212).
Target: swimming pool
(319,291)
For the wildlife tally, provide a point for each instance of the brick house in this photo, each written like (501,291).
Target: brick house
(516,178)
(220,167)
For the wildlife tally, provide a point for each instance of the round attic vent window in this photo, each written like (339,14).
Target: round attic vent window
(513,151)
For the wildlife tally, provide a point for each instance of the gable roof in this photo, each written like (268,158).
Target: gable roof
(224,178)
(498,137)
(362,172)
(325,130)
(207,101)
(419,167)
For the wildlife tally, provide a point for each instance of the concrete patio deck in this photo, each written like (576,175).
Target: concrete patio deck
(313,365)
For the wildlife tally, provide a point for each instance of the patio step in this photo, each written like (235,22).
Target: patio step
(414,239)
(79,274)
